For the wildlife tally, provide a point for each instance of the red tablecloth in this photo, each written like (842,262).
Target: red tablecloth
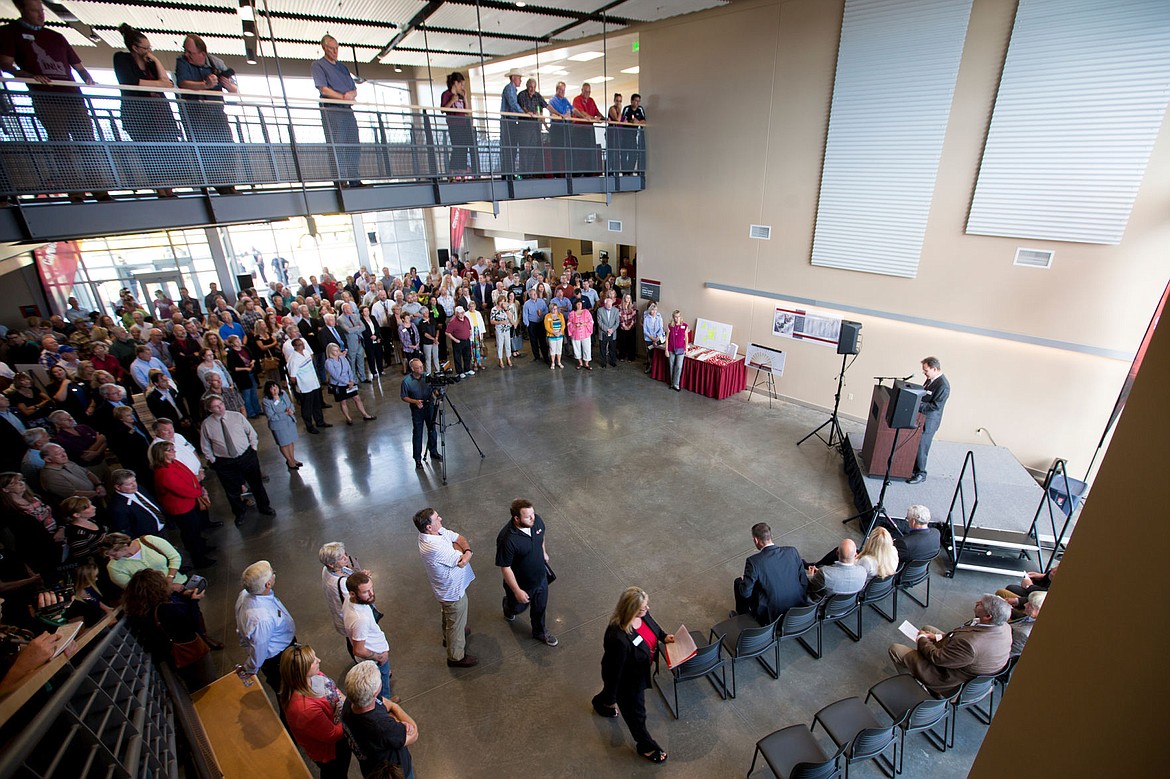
(705,378)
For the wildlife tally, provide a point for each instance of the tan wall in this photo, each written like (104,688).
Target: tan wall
(738,100)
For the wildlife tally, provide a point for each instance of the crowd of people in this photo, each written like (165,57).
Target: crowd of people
(29,49)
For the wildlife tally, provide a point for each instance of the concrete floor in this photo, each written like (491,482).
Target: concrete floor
(637,485)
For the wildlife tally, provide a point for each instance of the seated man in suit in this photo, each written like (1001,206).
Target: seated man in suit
(979,648)
(843,577)
(916,539)
(773,579)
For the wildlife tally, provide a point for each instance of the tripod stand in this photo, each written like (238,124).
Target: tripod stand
(441,403)
(836,438)
(879,510)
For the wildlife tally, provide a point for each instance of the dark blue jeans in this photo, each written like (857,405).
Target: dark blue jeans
(537,599)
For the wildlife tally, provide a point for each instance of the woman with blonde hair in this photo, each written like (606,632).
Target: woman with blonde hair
(311,704)
(343,385)
(631,642)
(878,557)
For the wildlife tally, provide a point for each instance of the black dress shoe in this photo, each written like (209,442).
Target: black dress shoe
(436,457)
(917,478)
(467,662)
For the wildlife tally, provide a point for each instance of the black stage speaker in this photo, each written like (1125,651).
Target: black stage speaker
(849,341)
(443,257)
(245,281)
(902,413)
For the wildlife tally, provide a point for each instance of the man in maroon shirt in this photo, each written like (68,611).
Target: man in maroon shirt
(30,50)
(586,154)
(459,333)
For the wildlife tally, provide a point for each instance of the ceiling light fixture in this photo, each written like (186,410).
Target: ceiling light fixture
(633,71)
(397,68)
(248,10)
(250,54)
(586,56)
(249,29)
(520,4)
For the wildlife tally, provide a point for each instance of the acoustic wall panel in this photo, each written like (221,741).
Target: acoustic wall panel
(896,70)
(1083,95)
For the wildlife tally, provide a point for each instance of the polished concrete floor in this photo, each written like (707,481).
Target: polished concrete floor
(637,485)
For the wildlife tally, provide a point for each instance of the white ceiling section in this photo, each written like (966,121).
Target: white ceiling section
(1082,97)
(299,24)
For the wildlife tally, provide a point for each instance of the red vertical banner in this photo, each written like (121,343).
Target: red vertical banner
(459,218)
(58,263)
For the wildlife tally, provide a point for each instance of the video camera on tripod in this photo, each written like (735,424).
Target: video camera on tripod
(436,380)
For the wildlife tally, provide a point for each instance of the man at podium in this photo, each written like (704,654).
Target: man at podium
(938,389)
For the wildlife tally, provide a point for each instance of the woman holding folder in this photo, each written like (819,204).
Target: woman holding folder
(631,640)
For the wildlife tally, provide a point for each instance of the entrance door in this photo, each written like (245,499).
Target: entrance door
(150,283)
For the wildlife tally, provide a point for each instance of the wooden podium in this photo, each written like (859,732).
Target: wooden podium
(879,439)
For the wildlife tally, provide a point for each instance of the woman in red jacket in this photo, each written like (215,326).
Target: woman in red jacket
(182,498)
(311,704)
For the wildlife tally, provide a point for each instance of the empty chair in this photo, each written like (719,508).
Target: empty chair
(969,696)
(793,753)
(835,609)
(877,590)
(744,638)
(708,661)
(795,623)
(851,724)
(913,573)
(913,709)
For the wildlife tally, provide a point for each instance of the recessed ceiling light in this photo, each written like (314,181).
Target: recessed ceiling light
(596,79)
(632,71)
(586,56)
(551,69)
(521,4)
(397,68)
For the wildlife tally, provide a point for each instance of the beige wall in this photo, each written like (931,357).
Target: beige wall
(738,100)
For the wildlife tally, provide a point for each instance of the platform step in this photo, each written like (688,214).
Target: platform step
(1000,539)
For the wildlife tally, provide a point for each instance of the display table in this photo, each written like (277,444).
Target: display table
(245,732)
(705,371)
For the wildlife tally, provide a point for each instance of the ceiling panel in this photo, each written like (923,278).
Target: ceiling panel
(585,29)
(74,37)
(347,34)
(397,11)
(507,22)
(651,10)
(418,59)
(203,23)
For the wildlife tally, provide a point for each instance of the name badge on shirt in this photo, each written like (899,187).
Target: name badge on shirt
(28,36)
(637,641)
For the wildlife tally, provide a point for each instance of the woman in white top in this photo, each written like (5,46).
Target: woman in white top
(878,557)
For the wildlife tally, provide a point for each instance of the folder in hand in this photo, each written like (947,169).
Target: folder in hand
(682,649)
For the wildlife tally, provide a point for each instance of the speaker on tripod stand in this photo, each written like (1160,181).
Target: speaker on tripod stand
(848,343)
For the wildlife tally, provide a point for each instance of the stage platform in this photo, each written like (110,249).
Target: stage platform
(1008,494)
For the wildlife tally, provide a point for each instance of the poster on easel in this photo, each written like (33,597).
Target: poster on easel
(765,359)
(799,325)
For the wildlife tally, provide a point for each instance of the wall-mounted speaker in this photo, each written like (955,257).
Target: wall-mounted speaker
(902,413)
(849,342)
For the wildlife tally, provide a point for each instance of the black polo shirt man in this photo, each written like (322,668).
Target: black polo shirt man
(521,557)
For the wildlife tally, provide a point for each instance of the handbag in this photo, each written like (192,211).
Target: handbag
(270,364)
(552,577)
(183,653)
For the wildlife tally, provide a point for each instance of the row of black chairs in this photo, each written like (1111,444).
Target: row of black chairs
(743,638)
(794,752)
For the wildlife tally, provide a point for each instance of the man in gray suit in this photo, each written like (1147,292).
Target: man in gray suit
(843,577)
(979,648)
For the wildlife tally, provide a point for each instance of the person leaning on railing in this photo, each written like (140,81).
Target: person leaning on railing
(29,49)
(333,80)
(204,115)
(146,116)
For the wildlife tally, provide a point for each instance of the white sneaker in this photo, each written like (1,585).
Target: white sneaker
(471,373)
(463,375)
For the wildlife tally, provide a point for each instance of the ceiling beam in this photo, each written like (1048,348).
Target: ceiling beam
(416,21)
(540,10)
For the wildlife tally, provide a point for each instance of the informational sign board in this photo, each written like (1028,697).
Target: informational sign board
(649,289)
(771,360)
(713,335)
(801,326)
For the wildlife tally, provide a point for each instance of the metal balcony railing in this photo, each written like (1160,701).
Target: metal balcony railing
(126,138)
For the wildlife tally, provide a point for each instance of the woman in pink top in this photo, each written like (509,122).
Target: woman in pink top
(311,704)
(580,329)
(676,348)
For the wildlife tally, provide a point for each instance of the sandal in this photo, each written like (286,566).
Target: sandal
(657,756)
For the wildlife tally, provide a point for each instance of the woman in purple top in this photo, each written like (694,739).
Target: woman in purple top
(676,348)
(459,127)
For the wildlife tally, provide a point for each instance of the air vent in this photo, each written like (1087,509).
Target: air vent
(760,232)
(615,225)
(1033,258)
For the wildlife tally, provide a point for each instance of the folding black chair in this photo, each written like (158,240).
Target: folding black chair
(744,638)
(793,753)
(706,663)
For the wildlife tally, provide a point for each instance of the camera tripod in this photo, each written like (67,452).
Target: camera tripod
(836,439)
(440,417)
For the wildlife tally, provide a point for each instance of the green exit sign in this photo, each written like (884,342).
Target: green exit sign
(635,47)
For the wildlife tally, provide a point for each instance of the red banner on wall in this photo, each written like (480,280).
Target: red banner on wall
(459,217)
(58,263)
